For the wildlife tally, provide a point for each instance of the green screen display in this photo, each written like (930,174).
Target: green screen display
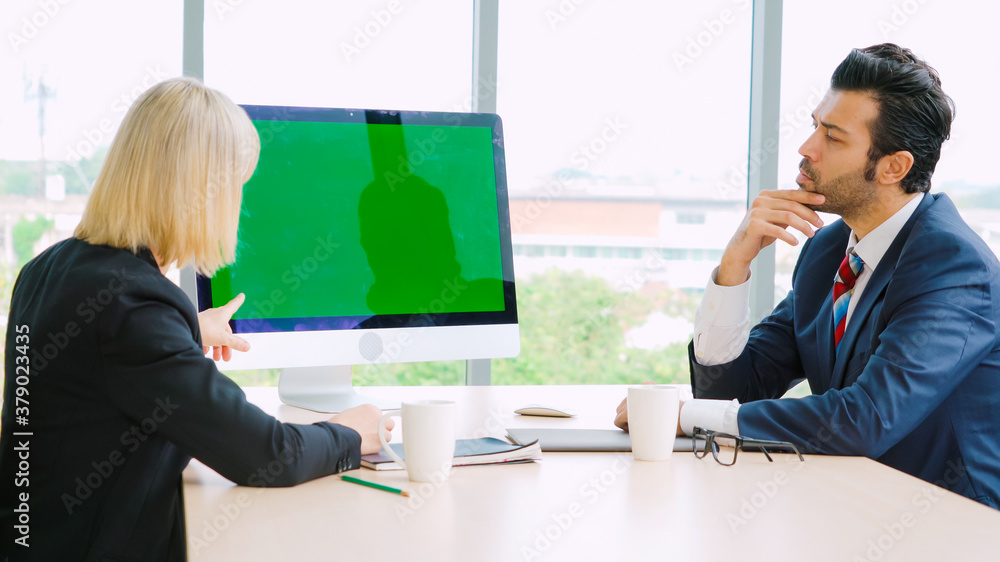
(357,219)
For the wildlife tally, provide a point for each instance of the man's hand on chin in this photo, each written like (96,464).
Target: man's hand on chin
(771,214)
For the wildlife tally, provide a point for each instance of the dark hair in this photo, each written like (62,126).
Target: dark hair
(914,113)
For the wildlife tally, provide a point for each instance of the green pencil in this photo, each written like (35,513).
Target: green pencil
(374,485)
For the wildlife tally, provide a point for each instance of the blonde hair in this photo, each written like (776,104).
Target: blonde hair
(173,178)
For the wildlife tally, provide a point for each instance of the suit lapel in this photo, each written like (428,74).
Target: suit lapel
(872,294)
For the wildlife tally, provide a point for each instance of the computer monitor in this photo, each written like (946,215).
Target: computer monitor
(366,237)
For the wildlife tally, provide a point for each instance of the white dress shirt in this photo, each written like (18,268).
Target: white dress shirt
(722,321)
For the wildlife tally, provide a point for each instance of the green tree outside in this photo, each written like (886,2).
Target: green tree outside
(20,177)
(573,329)
(25,234)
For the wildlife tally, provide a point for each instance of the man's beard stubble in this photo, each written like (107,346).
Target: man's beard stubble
(846,195)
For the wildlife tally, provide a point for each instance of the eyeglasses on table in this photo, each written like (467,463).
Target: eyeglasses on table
(727,456)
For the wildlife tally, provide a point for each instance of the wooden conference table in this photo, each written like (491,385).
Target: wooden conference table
(584,506)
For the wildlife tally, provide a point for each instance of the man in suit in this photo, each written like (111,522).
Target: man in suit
(892,316)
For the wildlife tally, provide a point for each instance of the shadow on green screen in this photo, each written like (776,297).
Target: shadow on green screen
(407,237)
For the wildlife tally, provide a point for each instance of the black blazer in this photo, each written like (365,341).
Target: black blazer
(119,398)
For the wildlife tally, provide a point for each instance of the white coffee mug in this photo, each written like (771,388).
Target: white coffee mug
(428,439)
(652,420)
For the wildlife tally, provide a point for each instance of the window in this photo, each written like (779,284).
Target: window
(675,253)
(690,218)
(630,253)
(354,54)
(534,251)
(596,167)
(71,73)
(610,176)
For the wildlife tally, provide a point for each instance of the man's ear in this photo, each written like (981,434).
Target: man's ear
(892,168)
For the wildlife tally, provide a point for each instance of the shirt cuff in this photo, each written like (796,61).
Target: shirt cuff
(713,415)
(725,306)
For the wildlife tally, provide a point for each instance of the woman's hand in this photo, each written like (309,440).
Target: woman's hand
(216,333)
(367,421)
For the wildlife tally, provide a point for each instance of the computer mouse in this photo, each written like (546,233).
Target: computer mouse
(547,411)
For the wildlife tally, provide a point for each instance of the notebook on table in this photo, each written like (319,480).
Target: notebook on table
(484,450)
(582,440)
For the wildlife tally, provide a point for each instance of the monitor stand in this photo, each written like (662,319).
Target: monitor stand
(324,389)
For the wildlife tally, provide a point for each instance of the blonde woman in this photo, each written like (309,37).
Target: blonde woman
(109,352)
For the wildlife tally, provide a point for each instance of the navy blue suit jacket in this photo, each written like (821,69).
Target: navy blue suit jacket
(916,384)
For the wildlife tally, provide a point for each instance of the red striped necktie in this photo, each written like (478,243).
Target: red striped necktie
(843,289)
